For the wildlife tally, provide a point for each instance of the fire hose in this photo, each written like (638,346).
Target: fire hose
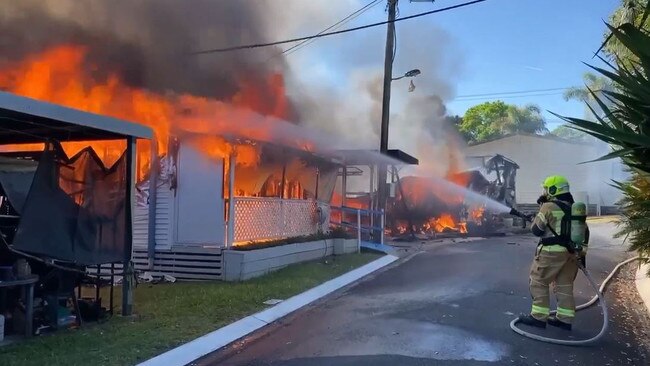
(599,297)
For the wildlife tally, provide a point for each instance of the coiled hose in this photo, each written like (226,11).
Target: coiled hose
(599,297)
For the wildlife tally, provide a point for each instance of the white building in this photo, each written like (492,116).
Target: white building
(540,156)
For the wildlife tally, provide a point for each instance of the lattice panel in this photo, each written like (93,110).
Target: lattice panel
(273,218)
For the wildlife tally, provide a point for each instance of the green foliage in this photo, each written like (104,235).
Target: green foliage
(625,125)
(630,11)
(625,122)
(636,206)
(494,119)
(566,132)
(593,83)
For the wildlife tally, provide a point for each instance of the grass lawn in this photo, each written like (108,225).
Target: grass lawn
(172,314)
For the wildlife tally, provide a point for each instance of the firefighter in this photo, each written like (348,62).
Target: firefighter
(555,261)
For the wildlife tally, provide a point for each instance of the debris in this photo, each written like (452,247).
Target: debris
(146,277)
(169,278)
(272,301)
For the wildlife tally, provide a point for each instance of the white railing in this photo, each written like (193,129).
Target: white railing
(264,218)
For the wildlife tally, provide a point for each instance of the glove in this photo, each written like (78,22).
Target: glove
(542,199)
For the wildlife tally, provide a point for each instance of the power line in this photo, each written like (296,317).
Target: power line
(512,92)
(336,25)
(259,45)
(507,96)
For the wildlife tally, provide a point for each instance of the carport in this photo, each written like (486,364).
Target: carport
(28,121)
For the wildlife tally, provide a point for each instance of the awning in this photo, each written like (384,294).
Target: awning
(25,120)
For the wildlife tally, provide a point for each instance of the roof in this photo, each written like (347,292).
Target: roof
(25,120)
(546,137)
(368,157)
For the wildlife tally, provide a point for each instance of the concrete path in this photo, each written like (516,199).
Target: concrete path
(451,305)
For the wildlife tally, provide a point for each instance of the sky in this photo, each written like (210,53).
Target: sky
(493,47)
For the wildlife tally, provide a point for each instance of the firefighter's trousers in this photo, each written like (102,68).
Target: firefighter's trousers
(553,264)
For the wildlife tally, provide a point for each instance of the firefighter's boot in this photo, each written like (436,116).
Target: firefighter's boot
(558,323)
(530,320)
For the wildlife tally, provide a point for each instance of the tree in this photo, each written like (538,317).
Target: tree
(569,133)
(493,119)
(631,12)
(593,83)
(625,126)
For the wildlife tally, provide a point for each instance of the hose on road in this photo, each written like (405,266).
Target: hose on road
(599,297)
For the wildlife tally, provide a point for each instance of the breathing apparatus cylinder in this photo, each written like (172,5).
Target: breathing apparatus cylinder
(578,224)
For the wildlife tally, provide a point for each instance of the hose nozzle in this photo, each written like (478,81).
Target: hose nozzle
(525,217)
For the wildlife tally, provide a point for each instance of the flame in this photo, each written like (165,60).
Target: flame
(476,214)
(444,222)
(362,203)
(62,75)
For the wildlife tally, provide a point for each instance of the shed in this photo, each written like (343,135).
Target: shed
(28,121)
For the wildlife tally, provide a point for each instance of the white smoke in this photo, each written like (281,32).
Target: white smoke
(344,94)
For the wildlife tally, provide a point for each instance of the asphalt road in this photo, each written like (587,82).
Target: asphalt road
(451,305)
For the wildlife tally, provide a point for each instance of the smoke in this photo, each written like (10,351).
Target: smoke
(352,102)
(149,42)
(334,84)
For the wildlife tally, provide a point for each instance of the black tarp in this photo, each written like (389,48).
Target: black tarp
(16,178)
(75,209)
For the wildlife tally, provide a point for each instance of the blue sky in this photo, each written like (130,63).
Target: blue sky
(493,47)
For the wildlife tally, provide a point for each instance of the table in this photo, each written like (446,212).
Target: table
(28,284)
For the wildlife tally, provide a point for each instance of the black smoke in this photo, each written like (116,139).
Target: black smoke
(149,42)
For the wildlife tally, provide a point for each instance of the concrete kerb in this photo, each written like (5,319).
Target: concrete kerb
(224,336)
(643,284)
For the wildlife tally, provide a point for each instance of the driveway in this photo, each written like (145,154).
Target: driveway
(451,305)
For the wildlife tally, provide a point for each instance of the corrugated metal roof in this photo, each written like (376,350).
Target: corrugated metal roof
(26,120)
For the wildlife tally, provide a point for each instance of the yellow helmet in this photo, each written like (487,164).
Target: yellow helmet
(555,185)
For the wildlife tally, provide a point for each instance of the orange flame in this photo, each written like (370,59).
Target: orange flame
(61,75)
(476,214)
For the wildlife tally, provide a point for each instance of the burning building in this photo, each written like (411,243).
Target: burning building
(229,144)
(228,147)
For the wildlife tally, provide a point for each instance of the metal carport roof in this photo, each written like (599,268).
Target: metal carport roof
(25,120)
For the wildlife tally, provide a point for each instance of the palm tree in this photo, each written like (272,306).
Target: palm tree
(631,12)
(625,125)
(597,84)
(526,119)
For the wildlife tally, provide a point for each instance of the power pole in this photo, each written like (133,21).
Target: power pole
(385,111)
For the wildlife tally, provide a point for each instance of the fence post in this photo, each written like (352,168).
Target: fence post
(358,231)
(230,228)
(383,224)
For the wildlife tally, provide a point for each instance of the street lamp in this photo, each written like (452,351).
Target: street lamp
(383,171)
(409,74)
